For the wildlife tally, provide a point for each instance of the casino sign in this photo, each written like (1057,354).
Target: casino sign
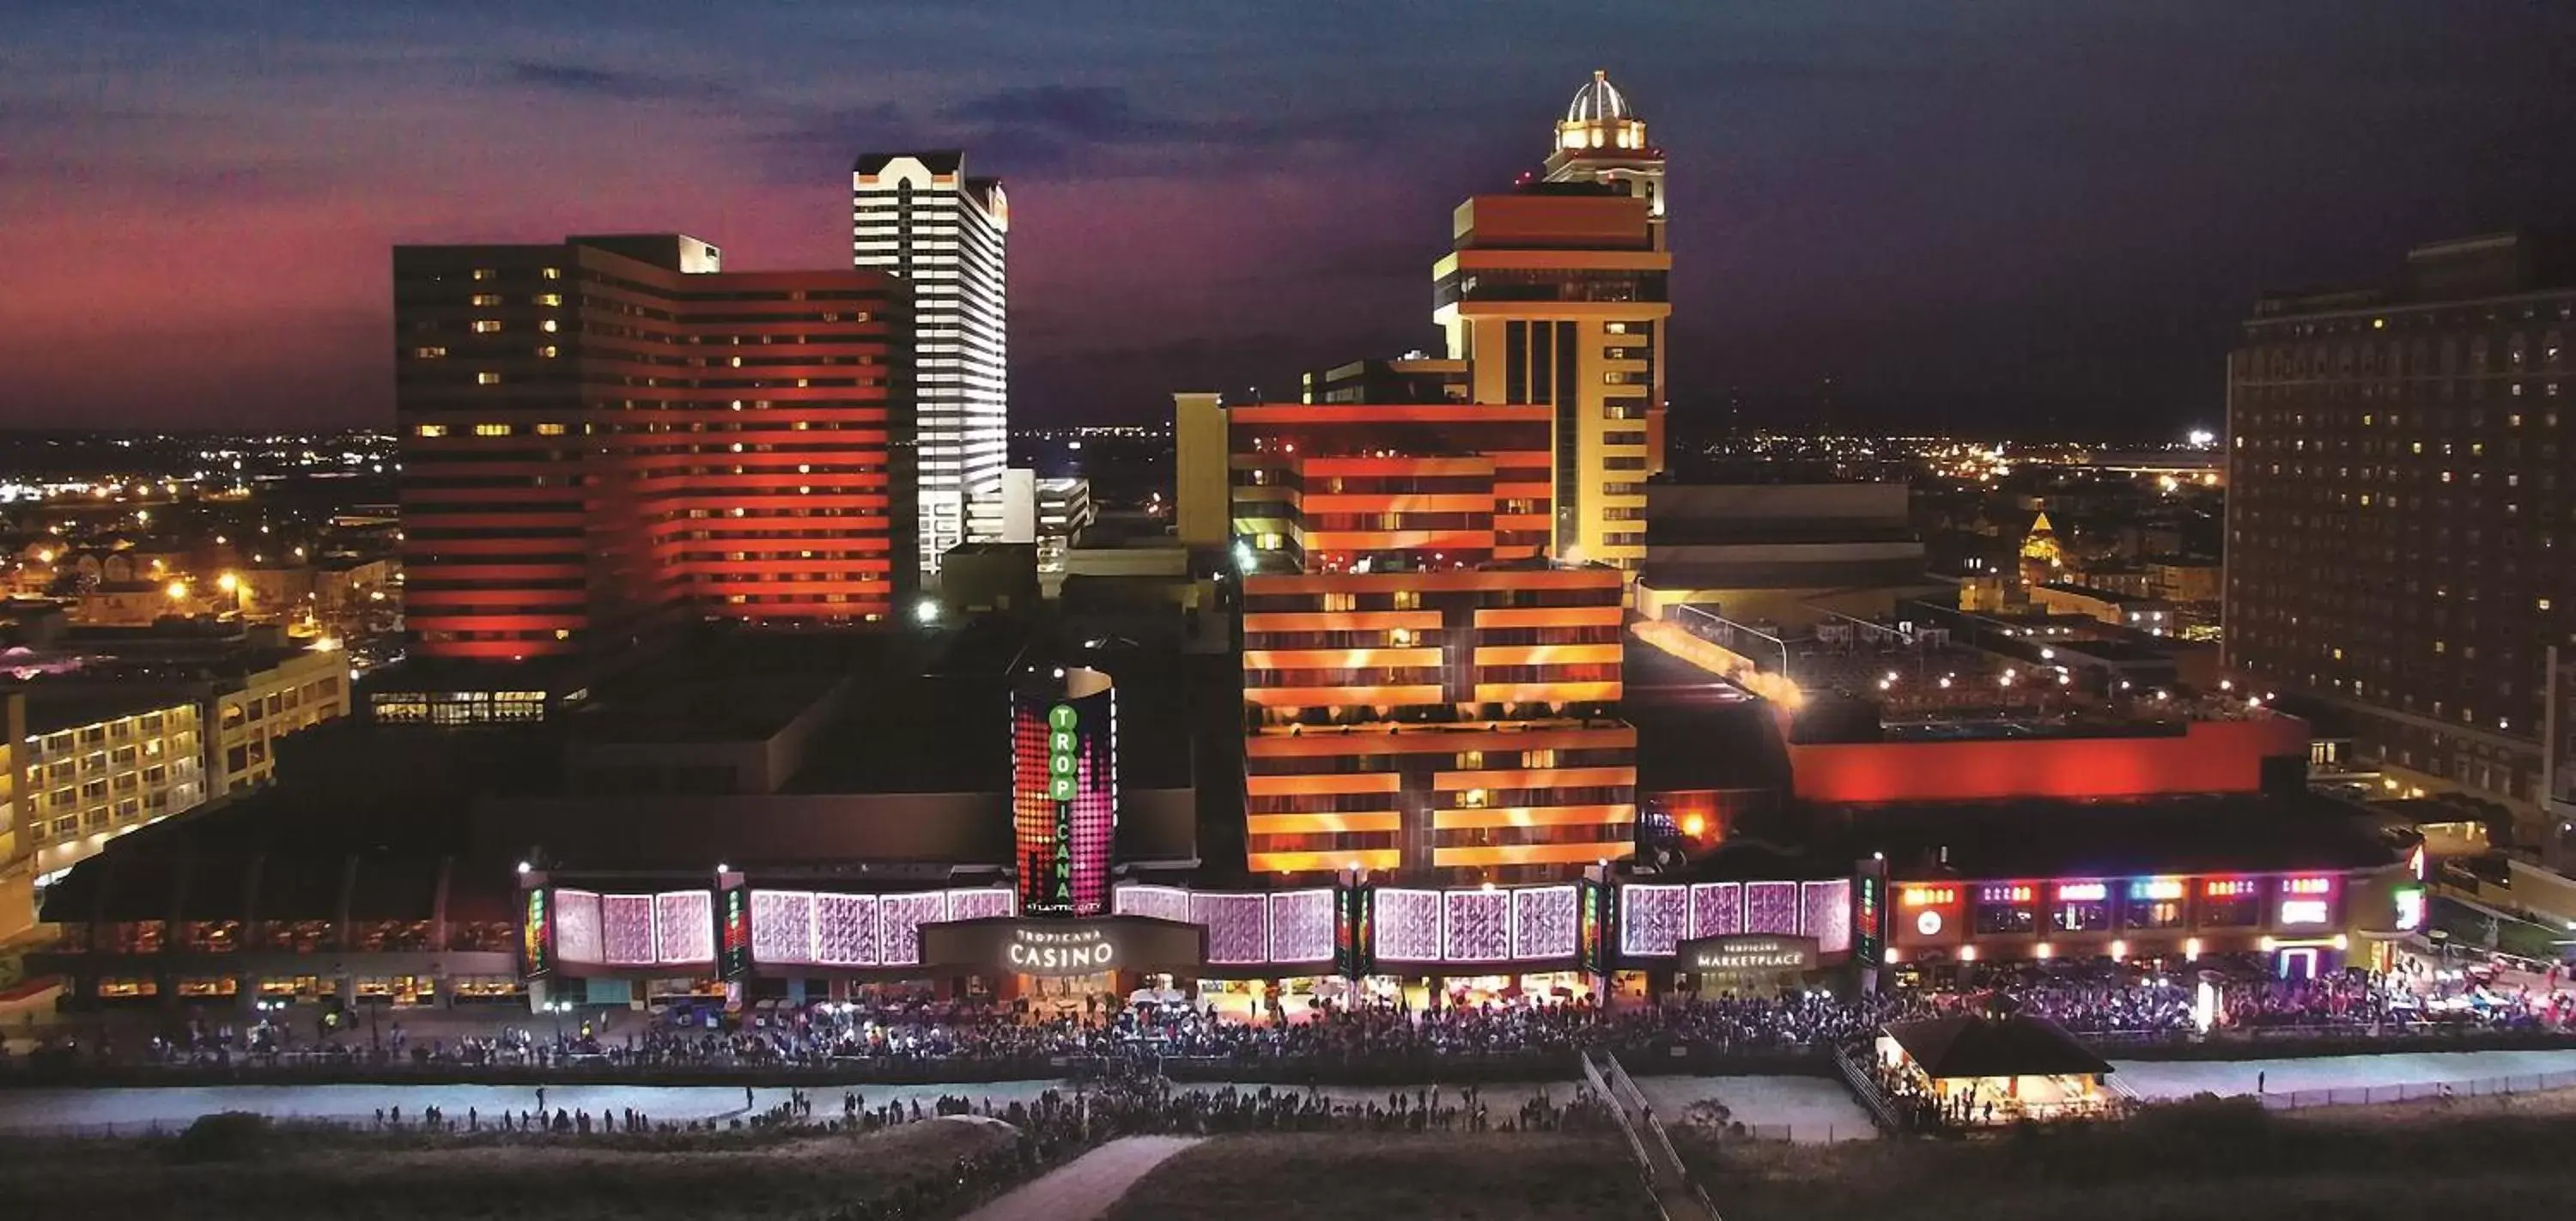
(1056,948)
(1747,952)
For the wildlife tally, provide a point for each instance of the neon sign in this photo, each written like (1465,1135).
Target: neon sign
(1927,923)
(1929,896)
(2232,889)
(2083,892)
(537,937)
(1064,809)
(2308,886)
(2303,911)
(2012,893)
(2156,888)
(2410,908)
(1074,953)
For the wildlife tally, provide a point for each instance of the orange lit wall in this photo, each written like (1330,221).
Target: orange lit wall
(2212,757)
(594,443)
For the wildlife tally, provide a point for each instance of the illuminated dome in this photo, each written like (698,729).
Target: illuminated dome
(1598,102)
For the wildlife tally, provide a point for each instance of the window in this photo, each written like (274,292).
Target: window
(549,351)
(1411,599)
(552,273)
(491,430)
(485,273)
(487,378)
(486,299)
(486,326)
(428,353)
(1340,602)
(549,326)
(550,430)
(430,430)
(549,298)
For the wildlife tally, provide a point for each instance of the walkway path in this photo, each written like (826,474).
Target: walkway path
(1085,1188)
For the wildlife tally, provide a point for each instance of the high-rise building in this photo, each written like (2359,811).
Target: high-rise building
(1555,295)
(605,435)
(2399,526)
(919,216)
(1424,692)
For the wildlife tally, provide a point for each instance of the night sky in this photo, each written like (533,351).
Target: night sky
(1968,214)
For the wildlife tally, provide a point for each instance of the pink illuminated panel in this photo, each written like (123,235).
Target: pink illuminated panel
(577,932)
(845,930)
(1476,926)
(1652,920)
(1543,919)
(1408,925)
(684,928)
(1301,926)
(782,926)
(979,904)
(1717,909)
(1771,907)
(1156,902)
(899,921)
(626,929)
(1238,927)
(1825,914)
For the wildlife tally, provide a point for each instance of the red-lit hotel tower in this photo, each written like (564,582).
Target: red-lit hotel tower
(1432,596)
(1425,694)
(608,435)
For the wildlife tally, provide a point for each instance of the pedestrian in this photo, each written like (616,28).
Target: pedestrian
(746,1097)
(2260,1078)
(541,1099)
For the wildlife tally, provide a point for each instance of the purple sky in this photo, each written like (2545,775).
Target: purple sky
(1995,213)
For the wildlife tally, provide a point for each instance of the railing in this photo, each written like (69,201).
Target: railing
(1865,1089)
(1677,1191)
(2482,1087)
(1627,1127)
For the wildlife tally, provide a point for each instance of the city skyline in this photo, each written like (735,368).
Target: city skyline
(1906,200)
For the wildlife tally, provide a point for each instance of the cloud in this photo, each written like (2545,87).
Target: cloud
(583,81)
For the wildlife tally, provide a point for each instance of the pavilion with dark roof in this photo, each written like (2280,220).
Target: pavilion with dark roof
(1984,1068)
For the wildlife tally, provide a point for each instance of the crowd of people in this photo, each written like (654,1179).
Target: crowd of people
(2097,1001)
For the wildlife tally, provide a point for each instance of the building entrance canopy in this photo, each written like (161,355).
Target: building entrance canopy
(1018,945)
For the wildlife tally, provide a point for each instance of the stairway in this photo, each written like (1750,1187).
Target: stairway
(1677,1193)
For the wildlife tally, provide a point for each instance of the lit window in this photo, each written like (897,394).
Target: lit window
(428,353)
(549,351)
(549,298)
(491,430)
(487,379)
(430,430)
(550,430)
(486,326)
(485,273)
(487,298)
(549,326)
(552,273)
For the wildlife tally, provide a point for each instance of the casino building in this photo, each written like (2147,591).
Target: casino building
(1449,751)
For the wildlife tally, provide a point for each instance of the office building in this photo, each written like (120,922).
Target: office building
(1555,294)
(2398,516)
(606,435)
(920,217)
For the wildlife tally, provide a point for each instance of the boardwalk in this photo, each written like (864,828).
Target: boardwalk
(1087,1186)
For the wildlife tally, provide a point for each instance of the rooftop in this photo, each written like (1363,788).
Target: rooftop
(2015,1045)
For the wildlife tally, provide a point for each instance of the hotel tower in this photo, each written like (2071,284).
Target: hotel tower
(920,217)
